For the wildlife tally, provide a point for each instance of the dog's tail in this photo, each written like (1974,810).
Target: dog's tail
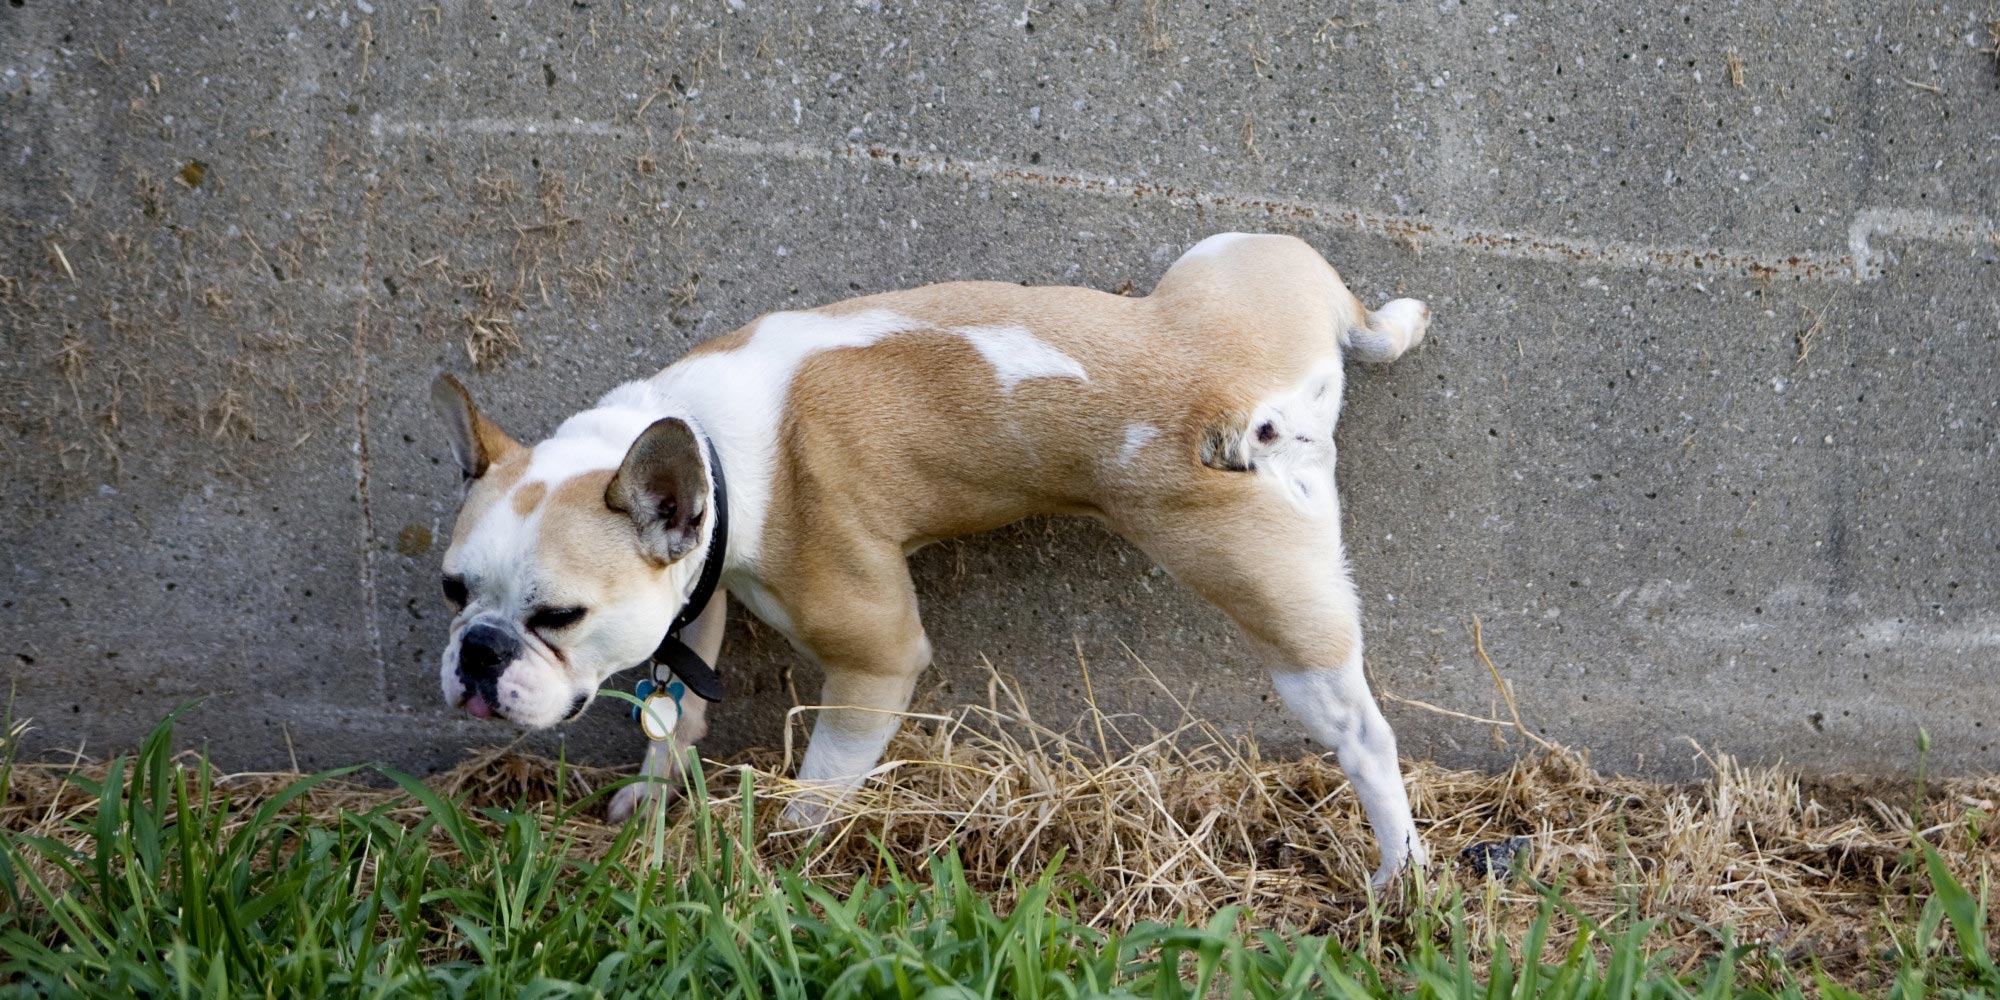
(1384,334)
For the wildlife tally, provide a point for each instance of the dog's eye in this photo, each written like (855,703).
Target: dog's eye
(454,591)
(554,619)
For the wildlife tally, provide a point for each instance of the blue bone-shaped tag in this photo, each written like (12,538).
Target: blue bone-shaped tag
(642,691)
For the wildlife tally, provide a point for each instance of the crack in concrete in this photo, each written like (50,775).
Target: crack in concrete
(1862,262)
(370,612)
(361,463)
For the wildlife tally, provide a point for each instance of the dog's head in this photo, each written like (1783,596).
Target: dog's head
(569,559)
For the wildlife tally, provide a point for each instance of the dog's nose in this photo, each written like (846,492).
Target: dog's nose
(484,652)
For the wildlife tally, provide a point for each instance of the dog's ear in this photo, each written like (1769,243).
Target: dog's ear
(663,487)
(476,442)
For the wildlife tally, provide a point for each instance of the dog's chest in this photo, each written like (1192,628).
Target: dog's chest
(749,589)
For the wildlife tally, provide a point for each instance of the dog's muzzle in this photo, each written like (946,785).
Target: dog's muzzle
(483,654)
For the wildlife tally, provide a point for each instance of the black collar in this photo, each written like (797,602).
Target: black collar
(674,654)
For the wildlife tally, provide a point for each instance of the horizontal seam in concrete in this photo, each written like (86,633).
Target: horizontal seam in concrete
(1862,262)
(379,127)
(1912,224)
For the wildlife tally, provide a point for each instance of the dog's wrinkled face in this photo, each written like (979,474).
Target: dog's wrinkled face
(568,561)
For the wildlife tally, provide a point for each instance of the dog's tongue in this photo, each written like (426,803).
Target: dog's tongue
(477,706)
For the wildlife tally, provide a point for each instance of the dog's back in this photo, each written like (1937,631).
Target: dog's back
(958,407)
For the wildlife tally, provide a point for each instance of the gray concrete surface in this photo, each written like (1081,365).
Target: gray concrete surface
(1704,434)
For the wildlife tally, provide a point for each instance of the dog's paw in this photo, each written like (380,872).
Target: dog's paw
(629,800)
(1384,877)
(814,808)
(1395,866)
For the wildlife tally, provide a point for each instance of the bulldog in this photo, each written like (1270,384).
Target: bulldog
(795,463)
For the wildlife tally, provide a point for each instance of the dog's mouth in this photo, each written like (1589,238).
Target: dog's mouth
(477,706)
(483,705)
(480,697)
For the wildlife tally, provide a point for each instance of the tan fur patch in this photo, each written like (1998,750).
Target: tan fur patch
(581,539)
(528,497)
(723,344)
(489,488)
(494,443)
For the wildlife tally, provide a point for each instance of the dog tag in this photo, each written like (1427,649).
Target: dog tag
(662,712)
(660,716)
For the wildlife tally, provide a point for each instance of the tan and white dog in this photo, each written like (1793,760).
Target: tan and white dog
(1197,422)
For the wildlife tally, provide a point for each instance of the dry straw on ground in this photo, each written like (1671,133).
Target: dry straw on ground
(1183,822)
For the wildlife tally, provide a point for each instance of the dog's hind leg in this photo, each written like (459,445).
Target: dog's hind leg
(1338,709)
(1279,572)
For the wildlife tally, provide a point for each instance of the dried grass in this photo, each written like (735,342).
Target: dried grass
(1185,822)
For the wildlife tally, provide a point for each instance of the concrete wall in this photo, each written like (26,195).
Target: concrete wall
(1705,431)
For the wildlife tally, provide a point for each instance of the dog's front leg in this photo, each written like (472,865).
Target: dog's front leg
(664,757)
(870,675)
(859,714)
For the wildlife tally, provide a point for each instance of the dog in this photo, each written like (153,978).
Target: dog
(795,463)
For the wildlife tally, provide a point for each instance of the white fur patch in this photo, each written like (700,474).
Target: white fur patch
(590,441)
(491,554)
(1017,356)
(837,762)
(1290,440)
(1409,315)
(1388,331)
(1136,436)
(839,759)
(752,594)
